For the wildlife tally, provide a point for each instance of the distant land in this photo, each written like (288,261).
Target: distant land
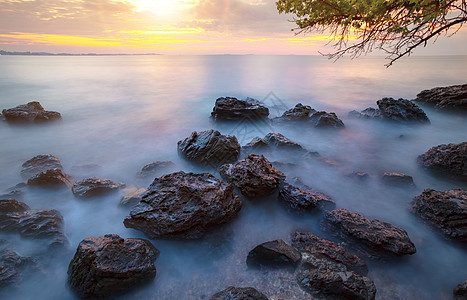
(2,52)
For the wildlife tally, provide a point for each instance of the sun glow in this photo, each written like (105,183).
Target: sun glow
(163,7)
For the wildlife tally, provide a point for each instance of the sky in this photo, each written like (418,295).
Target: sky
(167,27)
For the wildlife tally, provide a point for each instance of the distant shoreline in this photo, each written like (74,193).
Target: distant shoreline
(29,53)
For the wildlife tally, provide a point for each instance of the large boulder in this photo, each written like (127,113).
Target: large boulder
(30,112)
(39,164)
(273,254)
(444,210)
(209,148)
(156,168)
(318,119)
(93,187)
(230,108)
(322,119)
(13,266)
(107,265)
(184,205)
(299,113)
(236,293)
(379,237)
(254,176)
(453,97)
(52,178)
(304,198)
(390,109)
(450,159)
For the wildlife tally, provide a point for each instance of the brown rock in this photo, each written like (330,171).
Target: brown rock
(274,254)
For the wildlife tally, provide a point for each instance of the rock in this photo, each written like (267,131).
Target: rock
(299,113)
(380,237)
(184,205)
(52,178)
(108,265)
(16,217)
(358,175)
(156,168)
(460,292)
(31,112)
(450,159)
(39,164)
(272,141)
(444,210)
(132,196)
(397,179)
(93,187)
(235,293)
(254,176)
(450,97)
(400,110)
(12,265)
(273,254)
(209,148)
(229,108)
(369,113)
(322,119)
(324,249)
(304,198)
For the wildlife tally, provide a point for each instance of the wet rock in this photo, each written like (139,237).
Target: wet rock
(254,176)
(209,148)
(450,159)
(156,168)
(108,265)
(272,141)
(368,113)
(451,97)
(184,205)
(318,119)
(273,254)
(460,292)
(235,293)
(299,113)
(324,249)
(397,179)
(380,237)
(132,196)
(92,187)
(39,164)
(12,206)
(52,178)
(12,265)
(304,198)
(400,110)
(322,119)
(229,108)
(444,210)
(31,112)
(358,175)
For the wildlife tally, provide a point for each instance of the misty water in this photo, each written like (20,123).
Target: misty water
(122,112)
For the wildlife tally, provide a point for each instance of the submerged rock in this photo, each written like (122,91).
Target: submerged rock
(184,205)
(398,179)
(273,254)
(157,167)
(453,97)
(12,206)
(230,108)
(93,187)
(380,237)
(401,110)
(30,112)
(444,210)
(39,164)
(209,148)
(368,113)
(450,159)
(12,266)
(132,196)
(304,198)
(52,178)
(254,176)
(236,293)
(107,265)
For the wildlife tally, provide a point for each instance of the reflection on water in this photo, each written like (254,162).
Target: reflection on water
(120,113)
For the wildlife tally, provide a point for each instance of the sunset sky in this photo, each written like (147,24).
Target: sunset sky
(166,27)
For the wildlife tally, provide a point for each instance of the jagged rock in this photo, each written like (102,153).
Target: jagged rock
(209,148)
(299,113)
(380,237)
(448,159)
(368,113)
(92,187)
(12,265)
(273,141)
(401,110)
(235,293)
(229,108)
(444,210)
(398,179)
(324,249)
(155,168)
(184,205)
(453,97)
(304,198)
(52,178)
(132,196)
(39,164)
(274,254)
(322,119)
(107,265)
(318,119)
(460,292)
(16,217)
(31,112)
(254,176)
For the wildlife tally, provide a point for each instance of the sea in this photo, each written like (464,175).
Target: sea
(120,113)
